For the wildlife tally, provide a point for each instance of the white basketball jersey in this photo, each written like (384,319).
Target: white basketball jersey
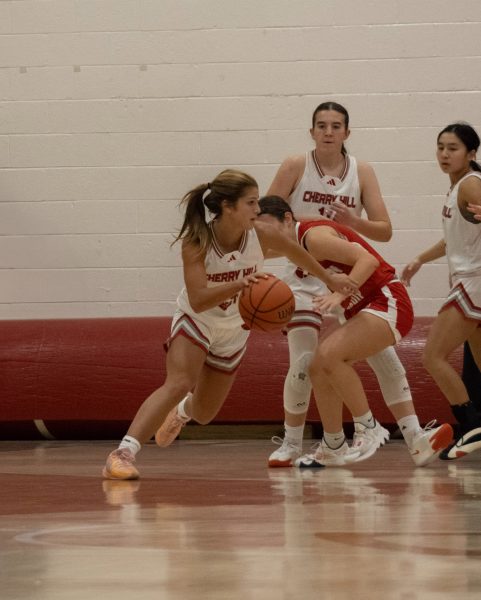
(316,191)
(463,239)
(223,268)
(313,195)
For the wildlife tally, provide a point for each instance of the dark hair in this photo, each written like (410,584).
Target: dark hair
(338,108)
(275,206)
(468,136)
(228,186)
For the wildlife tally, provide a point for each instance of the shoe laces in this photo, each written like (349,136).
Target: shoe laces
(321,449)
(431,425)
(284,443)
(363,436)
(176,421)
(123,455)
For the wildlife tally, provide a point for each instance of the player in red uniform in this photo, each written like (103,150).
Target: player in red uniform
(378,315)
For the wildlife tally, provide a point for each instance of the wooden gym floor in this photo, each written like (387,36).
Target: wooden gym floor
(209,521)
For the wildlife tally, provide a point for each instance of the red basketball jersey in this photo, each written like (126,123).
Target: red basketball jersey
(381,276)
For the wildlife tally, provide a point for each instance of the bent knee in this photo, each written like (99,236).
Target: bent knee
(202,415)
(202,419)
(179,388)
(324,363)
(432,361)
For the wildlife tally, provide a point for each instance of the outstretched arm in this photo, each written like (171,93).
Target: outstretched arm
(271,239)
(324,243)
(432,253)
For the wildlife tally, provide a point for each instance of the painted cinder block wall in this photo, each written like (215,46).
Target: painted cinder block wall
(110,110)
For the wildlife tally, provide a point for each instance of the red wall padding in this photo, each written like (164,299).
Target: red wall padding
(102,369)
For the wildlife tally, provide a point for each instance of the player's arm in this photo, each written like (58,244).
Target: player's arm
(271,239)
(377,226)
(432,253)
(200,296)
(469,194)
(287,177)
(324,243)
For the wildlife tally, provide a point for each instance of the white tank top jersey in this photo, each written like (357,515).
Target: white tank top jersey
(316,191)
(463,239)
(223,268)
(312,196)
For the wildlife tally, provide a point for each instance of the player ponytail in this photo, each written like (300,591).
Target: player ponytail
(225,189)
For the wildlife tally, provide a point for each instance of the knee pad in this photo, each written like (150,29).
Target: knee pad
(395,390)
(297,388)
(386,364)
(391,376)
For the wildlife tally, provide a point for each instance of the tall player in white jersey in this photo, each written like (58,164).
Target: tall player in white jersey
(207,339)
(327,182)
(459,319)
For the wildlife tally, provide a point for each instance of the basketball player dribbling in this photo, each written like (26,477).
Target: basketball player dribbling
(459,319)
(327,182)
(207,342)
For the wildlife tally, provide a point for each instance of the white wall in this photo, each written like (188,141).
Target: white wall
(110,110)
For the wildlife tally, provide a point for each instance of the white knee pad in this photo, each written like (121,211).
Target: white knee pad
(391,376)
(298,373)
(297,386)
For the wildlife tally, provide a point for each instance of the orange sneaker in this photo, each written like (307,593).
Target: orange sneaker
(170,428)
(119,465)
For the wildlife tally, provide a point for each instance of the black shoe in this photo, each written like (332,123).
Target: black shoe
(467,443)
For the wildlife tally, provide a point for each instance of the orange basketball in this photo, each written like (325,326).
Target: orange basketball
(267,305)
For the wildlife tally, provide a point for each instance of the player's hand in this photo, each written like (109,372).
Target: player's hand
(410,270)
(248,280)
(343,283)
(342,214)
(476,210)
(327,302)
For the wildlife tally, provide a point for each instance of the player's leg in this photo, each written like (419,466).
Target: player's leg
(201,405)
(184,364)
(424,444)
(333,449)
(363,335)
(471,377)
(302,342)
(224,357)
(449,331)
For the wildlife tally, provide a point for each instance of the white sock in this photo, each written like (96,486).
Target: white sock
(181,408)
(131,443)
(294,434)
(409,427)
(367,420)
(334,440)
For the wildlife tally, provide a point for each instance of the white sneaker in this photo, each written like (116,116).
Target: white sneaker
(327,457)
(427,444)
(286,454)
(367,440)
